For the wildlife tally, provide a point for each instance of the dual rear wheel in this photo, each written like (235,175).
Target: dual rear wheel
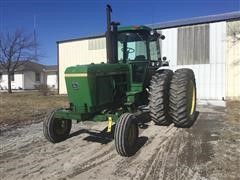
(182,99)
(173,97)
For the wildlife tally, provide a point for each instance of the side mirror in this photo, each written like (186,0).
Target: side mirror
(162,37)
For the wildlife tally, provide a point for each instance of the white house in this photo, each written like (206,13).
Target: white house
(51,75)
(29,75)
(209,45)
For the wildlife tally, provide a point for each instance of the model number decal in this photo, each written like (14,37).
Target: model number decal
(75,85)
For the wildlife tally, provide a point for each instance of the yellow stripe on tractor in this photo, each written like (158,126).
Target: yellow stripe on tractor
(76,75)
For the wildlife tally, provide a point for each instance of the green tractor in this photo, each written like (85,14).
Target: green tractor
(133,87)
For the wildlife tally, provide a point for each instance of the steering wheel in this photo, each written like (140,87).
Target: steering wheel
(129,50)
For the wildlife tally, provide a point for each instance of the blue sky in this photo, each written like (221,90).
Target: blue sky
(66,19)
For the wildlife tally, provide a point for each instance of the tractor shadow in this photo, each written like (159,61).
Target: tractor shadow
(141,141)
(104,137)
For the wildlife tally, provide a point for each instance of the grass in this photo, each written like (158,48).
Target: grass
(233,111)
(27,107)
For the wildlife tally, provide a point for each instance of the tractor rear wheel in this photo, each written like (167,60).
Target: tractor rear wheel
(56,130)
(183,97)
(126,134)
(159,97)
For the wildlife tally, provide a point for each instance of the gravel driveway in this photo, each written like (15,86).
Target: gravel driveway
(210,149)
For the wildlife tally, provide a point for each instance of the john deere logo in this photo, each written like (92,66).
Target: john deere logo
(75,85)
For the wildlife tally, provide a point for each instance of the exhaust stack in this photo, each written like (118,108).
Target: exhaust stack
(111,38)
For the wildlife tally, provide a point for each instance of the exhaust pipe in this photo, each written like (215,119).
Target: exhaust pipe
(109,35)
(111,38)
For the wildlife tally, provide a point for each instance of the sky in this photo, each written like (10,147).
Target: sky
(57,20)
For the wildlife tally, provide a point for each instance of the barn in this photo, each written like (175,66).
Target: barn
(210,45)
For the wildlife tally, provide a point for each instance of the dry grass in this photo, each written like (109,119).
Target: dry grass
(27,107)
(233,111)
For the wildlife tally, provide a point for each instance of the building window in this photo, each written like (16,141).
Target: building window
(193,45)
(37,77)
(95,44)
(1,76)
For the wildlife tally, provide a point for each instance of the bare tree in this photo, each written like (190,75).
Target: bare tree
(233,32)
(16,49)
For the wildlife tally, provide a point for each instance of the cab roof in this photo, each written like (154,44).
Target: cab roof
(133,28)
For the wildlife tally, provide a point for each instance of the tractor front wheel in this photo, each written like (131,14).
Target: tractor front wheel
(126,134)
(56,130)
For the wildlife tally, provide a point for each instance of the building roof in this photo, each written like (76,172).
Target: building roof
(170,24)
(26,66)
(198,20)
(51,68)
(94,36)
(32,66)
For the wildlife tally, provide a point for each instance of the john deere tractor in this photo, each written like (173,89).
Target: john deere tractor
(128,90)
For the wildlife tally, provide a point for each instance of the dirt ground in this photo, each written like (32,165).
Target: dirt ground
(26,107)
(210,149)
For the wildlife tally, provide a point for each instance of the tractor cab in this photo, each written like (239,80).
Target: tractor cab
(136,46)
(139,47)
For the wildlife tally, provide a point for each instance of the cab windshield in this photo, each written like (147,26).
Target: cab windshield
(132,46)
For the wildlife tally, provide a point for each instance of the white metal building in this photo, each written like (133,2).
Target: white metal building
(209,45)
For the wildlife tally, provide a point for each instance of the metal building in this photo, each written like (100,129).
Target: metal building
(209,45)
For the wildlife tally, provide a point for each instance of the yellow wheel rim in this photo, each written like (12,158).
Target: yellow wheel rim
(191,102)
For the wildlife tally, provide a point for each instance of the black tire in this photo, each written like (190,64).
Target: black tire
(56,130)
(159,97)
(183,98)
(126,135)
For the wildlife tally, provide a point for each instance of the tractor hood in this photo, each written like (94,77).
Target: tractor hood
(97,69)
(93,87)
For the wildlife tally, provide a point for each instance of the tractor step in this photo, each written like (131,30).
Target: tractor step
(109,129)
